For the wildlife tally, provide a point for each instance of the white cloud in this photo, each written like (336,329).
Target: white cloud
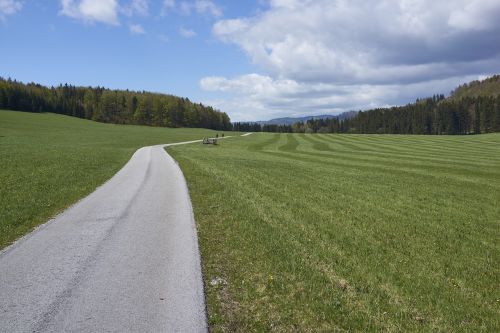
(167,5)
(476,15)
(207,7)
(187,33)
(185,7)
(361,44)
(201,7)
(257,97)
(9,7)
(136,7)
(137,29)
(356,41)
(104,11)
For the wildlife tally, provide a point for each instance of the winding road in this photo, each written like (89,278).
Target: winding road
(123,259)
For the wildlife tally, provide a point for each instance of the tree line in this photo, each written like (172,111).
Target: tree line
(256,127)
(433,116)
(472,109)
(111,106)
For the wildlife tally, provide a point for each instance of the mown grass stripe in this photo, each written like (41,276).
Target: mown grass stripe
(401,167)
(471,161)
(291,144)
(403,144)
(357,238)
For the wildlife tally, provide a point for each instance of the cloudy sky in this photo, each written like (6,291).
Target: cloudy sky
(258,59)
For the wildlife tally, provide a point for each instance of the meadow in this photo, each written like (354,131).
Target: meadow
(348,233)
(50,161)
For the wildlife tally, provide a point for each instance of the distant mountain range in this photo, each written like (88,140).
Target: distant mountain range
(291,120)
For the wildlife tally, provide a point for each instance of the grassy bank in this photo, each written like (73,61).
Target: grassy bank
(323,233)
(50,161)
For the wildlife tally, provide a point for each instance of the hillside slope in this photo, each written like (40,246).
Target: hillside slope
(111,106)
(489,87)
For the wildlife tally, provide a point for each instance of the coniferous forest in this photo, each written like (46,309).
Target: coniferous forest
(435,115)
(111,106)
(473,108)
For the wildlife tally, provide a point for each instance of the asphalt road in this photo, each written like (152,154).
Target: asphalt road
(123,259)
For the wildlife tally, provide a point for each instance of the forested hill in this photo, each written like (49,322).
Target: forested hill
(489,87)
(472,108)
(111,106)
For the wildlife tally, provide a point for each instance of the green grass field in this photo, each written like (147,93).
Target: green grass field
(348,233)
(309,233)
(50,161)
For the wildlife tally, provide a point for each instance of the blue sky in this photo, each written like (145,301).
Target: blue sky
(41,44)
(255,59)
